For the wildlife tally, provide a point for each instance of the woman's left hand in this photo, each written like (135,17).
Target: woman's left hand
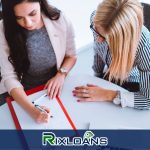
(93,93)
(54,85)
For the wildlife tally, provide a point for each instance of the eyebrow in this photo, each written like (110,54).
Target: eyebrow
(33,11)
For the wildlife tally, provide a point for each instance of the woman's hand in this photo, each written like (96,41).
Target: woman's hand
(93,93)
(54,85)
(41,117)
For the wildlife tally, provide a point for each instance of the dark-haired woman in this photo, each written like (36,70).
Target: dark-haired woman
(36,47)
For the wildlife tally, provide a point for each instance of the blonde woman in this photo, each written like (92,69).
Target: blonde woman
(121,43)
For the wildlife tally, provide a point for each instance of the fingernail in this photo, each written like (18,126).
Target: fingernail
(74,94)
(78,100)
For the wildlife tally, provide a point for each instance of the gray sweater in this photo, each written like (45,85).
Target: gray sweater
(42,59)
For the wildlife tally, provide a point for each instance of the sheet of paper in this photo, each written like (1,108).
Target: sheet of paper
(58,121)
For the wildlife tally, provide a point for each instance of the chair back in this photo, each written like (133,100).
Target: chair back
(146,15)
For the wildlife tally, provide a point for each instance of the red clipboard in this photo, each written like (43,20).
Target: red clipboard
(29,92)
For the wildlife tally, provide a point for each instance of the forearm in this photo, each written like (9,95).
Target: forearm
(69,62)
(142,98)
(21,98)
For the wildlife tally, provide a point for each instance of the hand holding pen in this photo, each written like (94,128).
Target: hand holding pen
(43,114)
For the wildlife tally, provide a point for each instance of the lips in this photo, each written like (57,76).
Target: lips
(29,28)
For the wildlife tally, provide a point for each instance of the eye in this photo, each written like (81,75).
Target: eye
(18,17)
(32,13)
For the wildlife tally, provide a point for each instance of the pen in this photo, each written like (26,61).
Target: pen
(40,108)
(44,95)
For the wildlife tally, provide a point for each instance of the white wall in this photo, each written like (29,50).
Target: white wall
(79,13)
(145,1)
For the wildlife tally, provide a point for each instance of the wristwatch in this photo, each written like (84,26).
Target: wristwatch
(117,99)
(63,70)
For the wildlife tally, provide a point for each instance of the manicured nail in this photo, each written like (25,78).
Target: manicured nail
(78,100)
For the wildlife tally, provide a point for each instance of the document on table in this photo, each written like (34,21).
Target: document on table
(58,120)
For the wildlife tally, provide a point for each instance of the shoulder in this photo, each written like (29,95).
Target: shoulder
(145,37)
(143,51)
(62,21)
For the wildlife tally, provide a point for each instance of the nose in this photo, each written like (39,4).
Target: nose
(28,22)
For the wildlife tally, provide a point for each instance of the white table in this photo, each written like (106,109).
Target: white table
(100,115)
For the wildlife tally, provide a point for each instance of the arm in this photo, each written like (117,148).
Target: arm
(69,62)
(54,85)
(22,99)
(141,99)
(70,55)
(11,82)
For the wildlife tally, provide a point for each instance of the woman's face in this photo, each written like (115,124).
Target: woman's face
(28,15)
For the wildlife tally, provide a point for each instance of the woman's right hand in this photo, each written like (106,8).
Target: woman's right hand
(41,117)
(22,99)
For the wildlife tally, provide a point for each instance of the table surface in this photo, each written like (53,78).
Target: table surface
(93,115)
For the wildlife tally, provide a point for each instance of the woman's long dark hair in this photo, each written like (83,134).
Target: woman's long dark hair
(15,36)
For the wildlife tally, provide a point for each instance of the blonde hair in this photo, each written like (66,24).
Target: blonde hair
(122,22)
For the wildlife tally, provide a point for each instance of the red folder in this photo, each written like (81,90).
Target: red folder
(29,92)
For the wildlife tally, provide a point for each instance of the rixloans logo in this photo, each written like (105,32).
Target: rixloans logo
(88,139)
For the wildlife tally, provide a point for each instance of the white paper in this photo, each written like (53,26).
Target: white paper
(59,120)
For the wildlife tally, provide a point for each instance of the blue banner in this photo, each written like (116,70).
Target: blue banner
(81,139)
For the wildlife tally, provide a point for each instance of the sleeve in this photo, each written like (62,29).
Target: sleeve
(141,99)
(9,76)
(70,38)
